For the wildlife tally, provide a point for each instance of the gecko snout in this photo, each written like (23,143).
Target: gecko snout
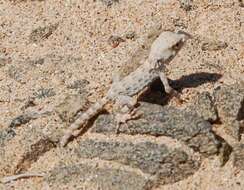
(186,35)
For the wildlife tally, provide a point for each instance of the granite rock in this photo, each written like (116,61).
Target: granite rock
(167,164)
(157,120)
(82,176)
(229,100)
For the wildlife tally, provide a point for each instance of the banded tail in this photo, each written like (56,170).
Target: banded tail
(74,130)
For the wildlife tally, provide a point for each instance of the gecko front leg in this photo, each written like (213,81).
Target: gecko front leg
(164,80)
(167,87)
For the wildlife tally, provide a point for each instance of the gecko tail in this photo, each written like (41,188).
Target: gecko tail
(79,124)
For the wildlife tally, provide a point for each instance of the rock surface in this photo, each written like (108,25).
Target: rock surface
(229,100)
(238,156)
(71,106)
(170,165)
(182,125)
(204,106)
(93,177)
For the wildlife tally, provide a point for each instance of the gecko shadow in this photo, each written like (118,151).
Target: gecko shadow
(157,94)
(240,115)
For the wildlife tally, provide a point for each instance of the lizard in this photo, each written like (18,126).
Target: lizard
(123,91)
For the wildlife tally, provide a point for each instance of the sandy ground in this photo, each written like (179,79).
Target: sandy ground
(79,49)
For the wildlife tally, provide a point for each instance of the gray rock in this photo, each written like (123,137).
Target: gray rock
(238,156)
(229,100)
(109,2)
(6,135)
(167,164)
(42,33)
(60,60)
(182,125)
(69,108)
(26,117)
(186,4)
(78,84)
(39,61)
(91,177)
(204,106)
(24,150)
(22,119)
(214,45)
(44,93)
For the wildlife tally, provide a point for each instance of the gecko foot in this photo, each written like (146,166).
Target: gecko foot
(122,118)
(177,96)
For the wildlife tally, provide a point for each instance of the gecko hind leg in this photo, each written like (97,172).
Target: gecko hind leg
(127,111)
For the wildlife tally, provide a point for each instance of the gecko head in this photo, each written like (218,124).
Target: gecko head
(174,40)
(167,45)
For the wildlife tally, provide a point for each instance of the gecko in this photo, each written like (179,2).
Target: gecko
(123,92)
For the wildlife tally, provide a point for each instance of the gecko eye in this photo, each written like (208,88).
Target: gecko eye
(177,46)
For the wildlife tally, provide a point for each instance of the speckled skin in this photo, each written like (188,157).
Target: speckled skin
(163,49)
(133,83)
